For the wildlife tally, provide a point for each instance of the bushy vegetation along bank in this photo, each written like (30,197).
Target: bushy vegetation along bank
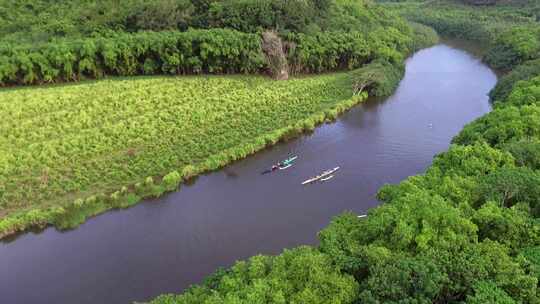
(193,52)
(466,231)
(109,143)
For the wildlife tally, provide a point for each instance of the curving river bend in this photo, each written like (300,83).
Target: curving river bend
(168,244)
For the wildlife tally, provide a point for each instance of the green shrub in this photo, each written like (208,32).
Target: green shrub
(525,152)
(514,46)
(162,15)
(250,16)
(509,186)
(525,71)
(378,78)
(532,255)
(423,36)
(172,180)
(488,292)
(502,126)
(526,92)
(188,172)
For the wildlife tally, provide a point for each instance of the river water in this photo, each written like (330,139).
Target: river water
(165,245)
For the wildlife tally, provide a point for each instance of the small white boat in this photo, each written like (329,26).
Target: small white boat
(325,174)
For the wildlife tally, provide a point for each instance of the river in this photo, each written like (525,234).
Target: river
(167,244)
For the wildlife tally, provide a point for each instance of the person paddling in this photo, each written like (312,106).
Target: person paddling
(280,165)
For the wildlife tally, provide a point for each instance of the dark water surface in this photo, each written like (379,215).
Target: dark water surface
(167,244)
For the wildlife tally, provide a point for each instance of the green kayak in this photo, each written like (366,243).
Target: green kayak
(289,160)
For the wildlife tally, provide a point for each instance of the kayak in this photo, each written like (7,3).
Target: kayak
(281,165)
(326,174)
(323,175)
(287,163)
(289,160)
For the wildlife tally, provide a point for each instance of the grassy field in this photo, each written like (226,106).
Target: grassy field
(113,141)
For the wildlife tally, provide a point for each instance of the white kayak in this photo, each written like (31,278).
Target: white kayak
(325,174)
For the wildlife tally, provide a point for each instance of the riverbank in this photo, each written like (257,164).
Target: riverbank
(84,149)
